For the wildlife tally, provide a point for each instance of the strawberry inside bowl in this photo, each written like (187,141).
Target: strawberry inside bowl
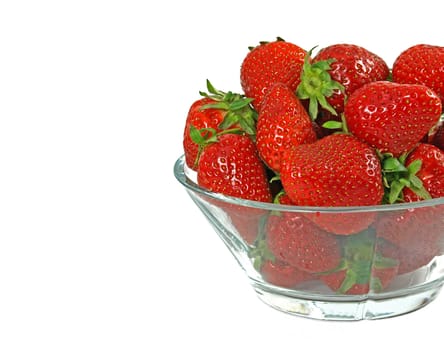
(389,264)
(325,177)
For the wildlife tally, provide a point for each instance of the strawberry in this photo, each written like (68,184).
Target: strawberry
(232,166)
(337,170)
(282,274)
(219,111)
(417,234)
(421,64)
(431,171)
(337,71)
(298,242)
(414,176)
(269,63)
(365,266)
(282,123)
(392,117)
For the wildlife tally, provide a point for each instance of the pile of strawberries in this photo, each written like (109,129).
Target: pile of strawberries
(335,129)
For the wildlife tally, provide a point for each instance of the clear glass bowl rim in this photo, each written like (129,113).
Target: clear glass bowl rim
(180,168)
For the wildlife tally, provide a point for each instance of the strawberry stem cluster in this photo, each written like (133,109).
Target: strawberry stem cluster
(237,106)
(317,84)
(398,176)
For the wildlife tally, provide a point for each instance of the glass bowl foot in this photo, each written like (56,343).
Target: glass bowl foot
(344,308)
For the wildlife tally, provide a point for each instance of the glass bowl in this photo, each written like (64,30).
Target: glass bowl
(393,266)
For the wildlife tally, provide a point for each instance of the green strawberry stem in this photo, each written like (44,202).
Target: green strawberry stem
(336,125)
(360,259)
(260,253)
(397,176)
(251,48)
(317,84)
(237,106)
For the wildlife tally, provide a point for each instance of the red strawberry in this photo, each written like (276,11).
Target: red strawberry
(365,266)
(417,233)
(297,241)
(269,63)
(414,176)
(217,110)
(232,166)
(421,64)
(431,171)
(283,275)
(349,65)
(207,118)
(392,117)
(338,170)
(282,123)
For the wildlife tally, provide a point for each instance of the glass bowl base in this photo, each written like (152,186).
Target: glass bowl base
(369,307)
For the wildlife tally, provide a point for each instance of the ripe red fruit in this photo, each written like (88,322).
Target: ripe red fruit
(431,172)
(282,123)
(208,118)
(417,234)
(297,241)
(351,66)
(269,63)
(281,274)
(337,170)
(232,166)
(421,64)
(218,111)
(392,117)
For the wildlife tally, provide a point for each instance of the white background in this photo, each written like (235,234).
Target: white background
(100,247)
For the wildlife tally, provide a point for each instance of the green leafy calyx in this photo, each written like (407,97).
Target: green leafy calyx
(397,176)
(317,84)
(238,109)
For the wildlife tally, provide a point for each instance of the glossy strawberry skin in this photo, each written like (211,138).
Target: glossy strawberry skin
(325,172)
(353,66)
(270,63)
(392,117)
(282,274)
(338,170)
(294,239)
(232,167)
(199,118)
(431,173)
(282,123)
(421,64)
(418,233)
